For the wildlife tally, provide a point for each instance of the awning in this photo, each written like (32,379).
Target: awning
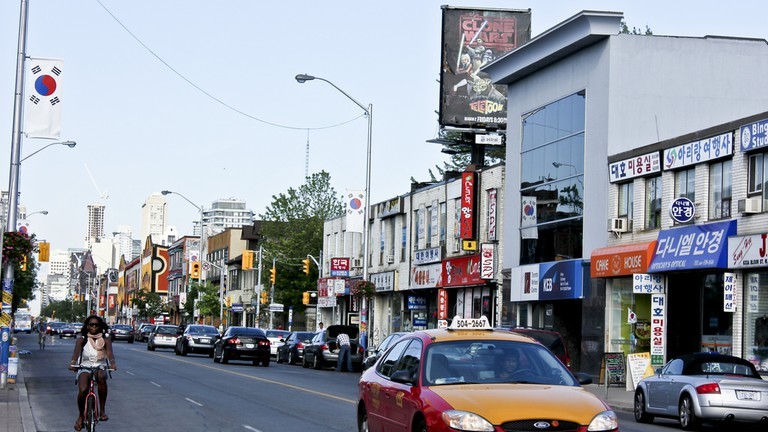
(693,247)
(621,260)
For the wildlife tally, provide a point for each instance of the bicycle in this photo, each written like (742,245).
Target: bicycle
(91,413)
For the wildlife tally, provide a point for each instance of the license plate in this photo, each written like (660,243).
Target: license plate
(249,345)
(747,395)
(206,340)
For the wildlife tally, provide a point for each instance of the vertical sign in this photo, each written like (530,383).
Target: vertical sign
(492,202)
(467,221)
(658,328)
(486,261)
(434,214)
(729,292)
(753,290)
(442,304)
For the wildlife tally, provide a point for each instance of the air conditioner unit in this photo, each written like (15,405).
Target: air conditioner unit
(753,205)
(357,263)
(618,225)
(390,259)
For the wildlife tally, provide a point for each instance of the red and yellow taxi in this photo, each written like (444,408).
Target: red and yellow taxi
(469,377)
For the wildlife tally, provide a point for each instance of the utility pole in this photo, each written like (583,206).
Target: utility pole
(272,294)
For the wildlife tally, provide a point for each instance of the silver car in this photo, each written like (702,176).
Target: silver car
(163,336)
(197,339)
(703,387)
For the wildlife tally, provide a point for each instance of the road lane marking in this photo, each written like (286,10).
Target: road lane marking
(196,403)
(251,428)
(155,384)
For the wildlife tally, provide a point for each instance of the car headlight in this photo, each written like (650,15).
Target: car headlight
(605,421)
(466,421)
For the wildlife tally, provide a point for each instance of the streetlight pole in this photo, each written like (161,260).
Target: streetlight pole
(69,144)
(302,78)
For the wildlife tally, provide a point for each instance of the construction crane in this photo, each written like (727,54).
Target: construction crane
(102,195)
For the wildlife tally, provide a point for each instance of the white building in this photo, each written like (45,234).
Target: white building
(154,216)
(94,231)
(225,213)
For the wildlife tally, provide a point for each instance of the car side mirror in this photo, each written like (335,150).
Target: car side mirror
(403,377)
(583,378)
(657,371)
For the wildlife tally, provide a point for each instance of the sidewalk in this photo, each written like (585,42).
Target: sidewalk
(15,413)
(616,396)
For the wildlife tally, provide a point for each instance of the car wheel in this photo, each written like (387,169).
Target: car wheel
(304,363)
(215,359)
(265,362)
(210,354)
(420,426)
(641,416)
(362,421)
(183,350)
(291,358)
(318,363)
(687,414)
(130,340)
(279,357)
(224,358)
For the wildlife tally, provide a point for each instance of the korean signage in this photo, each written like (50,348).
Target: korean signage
(487,267)
(383,281)
(472,39)
(434,214)
(339,266)
(427,256)
(644,283)
(699,151)
(693,247)
(747,251)
(417,302)
(442,304)
(729,292)
(426,276)
(329,287)
(467,221)
(754,135)
(635,167)
(462,271)
(753,292)
(682,210)
(621,260)
(492,223)
(658,327)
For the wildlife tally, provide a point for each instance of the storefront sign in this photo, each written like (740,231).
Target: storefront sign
(331,287)
(699,151)
(467,223)
(463,271)
(621,260)
(748,251)
(492,202)
(487,258)
(754,135)
(729,292)
(426,276)
(339,266)
(658,328)
(390,208)
(434,215)
(693,247)
(442,304)
(427,256)
(561,280)
(325,302)
(644,283)
(384,281)
(635,167)
(753,292)
(417,302)
(682,210)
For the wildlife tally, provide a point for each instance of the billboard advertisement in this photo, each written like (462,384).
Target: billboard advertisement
(471,39)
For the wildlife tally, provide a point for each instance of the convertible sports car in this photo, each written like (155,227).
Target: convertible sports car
(703,387)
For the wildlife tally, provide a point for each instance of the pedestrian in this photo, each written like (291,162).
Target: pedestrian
(342,343)
(321,326)
(42,329)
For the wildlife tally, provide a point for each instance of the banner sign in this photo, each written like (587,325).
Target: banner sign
(462,271)
(492,203)
(467,223)
(753,292)
(471,39)
(528,218)
(42,113)
(426,276)
(339,266)
(384,281)
(644,283)
(699,151)
(754,135)
(442,304)
(658,328)
(487,261)
(417,302)
(747,251)
(729,292)
(561,280)
(427,256)
(635,167)
(693,247)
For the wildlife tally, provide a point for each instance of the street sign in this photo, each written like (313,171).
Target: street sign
(206,265)
(276,307)
(491,139)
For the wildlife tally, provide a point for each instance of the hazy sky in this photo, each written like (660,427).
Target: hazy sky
(191,111)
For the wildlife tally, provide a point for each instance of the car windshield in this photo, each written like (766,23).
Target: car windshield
(493,361)
(202,330)
(245,331)
(278,334)
(121,327)
(166,330)
(725,368)
(304,336)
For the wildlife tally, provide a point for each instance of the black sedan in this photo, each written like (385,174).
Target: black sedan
(242,343)
(121,332)
(293,349)
(197,339)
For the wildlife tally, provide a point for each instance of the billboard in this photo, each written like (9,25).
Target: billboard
(471,39)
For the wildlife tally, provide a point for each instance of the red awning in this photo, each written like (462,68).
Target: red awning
(621,260)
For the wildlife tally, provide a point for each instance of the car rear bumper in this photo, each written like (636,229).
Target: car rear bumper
(245,353)
(739,414)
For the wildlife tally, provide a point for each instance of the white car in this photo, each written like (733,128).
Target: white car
(274,337)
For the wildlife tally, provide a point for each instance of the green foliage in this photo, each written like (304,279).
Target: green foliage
(209,303)
(461,149)
(149,304)
(65,310)
(624,29)
(16,246)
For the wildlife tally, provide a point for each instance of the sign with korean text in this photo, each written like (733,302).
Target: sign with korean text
(427,256)
(417,302)
(384,281)
(462,271)
(699,151)
(658,328)
(754,135)
(682,210)
(644,283)
(753,292)
(426,276)
(434,215)
(729,292)
(442,304)
(748,251)
(492,213)
(339,266)
(467,222)
(487,261)
(635,167)
(693,247)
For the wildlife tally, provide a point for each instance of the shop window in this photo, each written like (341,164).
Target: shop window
(756,319)
(653,202)
(720,190)
(626,200)
(758,176)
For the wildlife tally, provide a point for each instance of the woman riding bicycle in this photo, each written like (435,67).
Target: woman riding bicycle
(92,348)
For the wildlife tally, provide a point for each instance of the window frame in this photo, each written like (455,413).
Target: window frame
(653,217)
(724,165)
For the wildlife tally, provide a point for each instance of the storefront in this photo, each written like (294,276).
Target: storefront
(628,292)
(469,295)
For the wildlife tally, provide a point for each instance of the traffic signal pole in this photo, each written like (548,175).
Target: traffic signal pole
(259,285)
(272,292)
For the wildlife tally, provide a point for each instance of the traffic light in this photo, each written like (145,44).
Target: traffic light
(272,275)
(306,267)
(45,251)
(263,297)
(194,270)
(247,263)
(305,297)
(23,263)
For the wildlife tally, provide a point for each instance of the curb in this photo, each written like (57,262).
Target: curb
(27,421)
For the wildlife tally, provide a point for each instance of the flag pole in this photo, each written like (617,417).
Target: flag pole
(13,192)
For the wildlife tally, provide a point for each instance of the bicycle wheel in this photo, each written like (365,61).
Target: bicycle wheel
(90,413)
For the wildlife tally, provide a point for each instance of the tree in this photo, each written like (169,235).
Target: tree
(624,29)
(18,246)
(65,310)
(459,146)
(208,305)
(293,229)
(149,304)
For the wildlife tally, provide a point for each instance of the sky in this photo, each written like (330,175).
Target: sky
(199,97)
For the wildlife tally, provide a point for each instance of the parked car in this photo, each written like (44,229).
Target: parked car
(470,377)
(163,336)
(122,332)
(382,348)
(143,332)
(549,338)
(242,343)
(197,339)
(322,351)
(276,338)
(70,330)
(704,387)
(292,349)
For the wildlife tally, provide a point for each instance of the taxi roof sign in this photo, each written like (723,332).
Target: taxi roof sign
(460,323)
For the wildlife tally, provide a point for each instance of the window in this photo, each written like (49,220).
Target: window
(758,176)
(685,184)
(626,200)
(720,190)
(386,366)
(653,202)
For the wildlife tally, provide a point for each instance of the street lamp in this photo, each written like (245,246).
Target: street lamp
(302,78)
(42,212)
(70,144)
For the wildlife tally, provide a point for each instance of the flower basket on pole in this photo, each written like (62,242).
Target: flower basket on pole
(363,289)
